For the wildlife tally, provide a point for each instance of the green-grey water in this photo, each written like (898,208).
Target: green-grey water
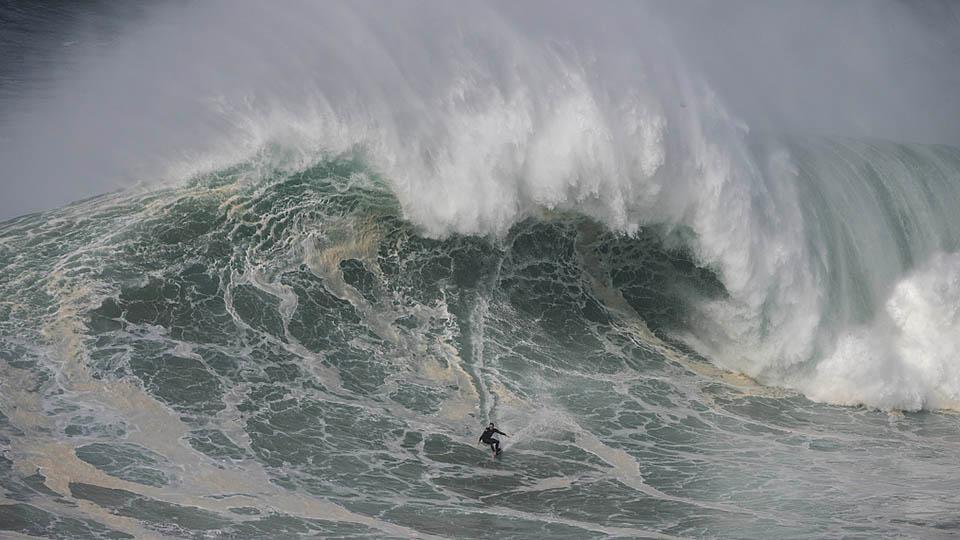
(286,356)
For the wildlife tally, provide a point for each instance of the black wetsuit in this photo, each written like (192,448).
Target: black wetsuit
(487,438)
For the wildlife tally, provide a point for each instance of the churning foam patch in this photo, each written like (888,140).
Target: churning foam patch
(495,159)
(910,357)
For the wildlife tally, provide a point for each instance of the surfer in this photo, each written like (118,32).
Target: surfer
(487,438)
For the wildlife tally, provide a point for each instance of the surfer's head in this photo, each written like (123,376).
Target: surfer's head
(491,424)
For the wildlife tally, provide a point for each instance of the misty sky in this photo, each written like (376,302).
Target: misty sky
(90,100)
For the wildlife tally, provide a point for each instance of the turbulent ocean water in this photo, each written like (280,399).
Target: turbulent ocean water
(687,328)
(274,354)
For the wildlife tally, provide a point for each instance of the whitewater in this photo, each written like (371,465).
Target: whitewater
(369,231)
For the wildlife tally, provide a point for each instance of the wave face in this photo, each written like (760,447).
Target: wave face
(353,250)
(283,352)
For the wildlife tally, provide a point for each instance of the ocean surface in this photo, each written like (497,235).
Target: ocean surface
(687,328)
(272,355)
